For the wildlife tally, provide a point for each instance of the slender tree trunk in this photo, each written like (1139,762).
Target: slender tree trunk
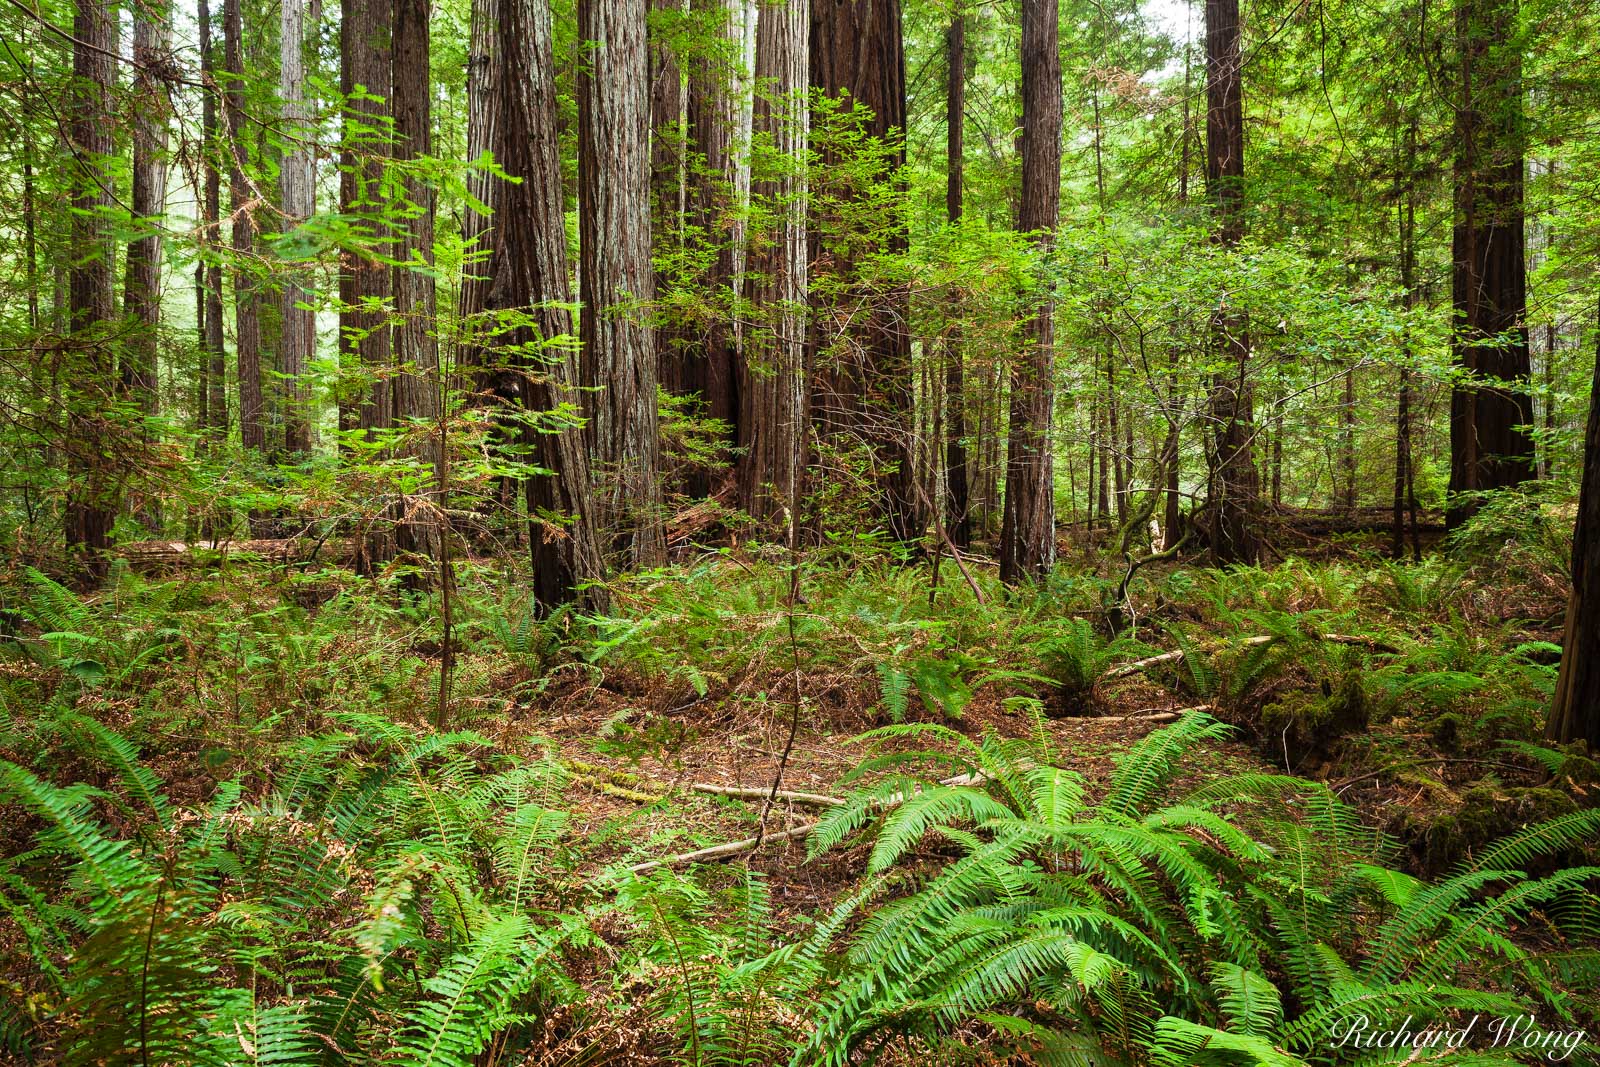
(247,322)
(1234,482)
(864,385)
(772,382)
(1575,713)
(1490,408)
(365,50)
(529,268)
(1027,530)
(618,359)
(958,522)
(297,187)
(141,301)
(216,373)
(1347,440)
(711,191)
(1551,346)
(1404,493)
(91,496)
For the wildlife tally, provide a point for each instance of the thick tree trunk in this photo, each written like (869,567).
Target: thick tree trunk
(1405,497)
(1027,530)
(772,382)
(618,359)
(679,371)
(958,522)
(416,350)
(91,496)
(366,345)
(863,383)
(141,301)
(1575,714)
(1490,408)
(1234,483)
(529,268)
(297,187)
(711,192)
(246,317)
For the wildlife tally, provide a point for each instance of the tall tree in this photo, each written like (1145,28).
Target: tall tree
(1575,713)
(711,178)
(241,202)
(677,371)
(863,383)
(529,268)
(958,523)
(214,363)
(772,382)
(1234,488)
(1027,527)
(414,393)
(618,358)
(297,188)
(91,501)
(141,301)
(365,341)
(1490,407)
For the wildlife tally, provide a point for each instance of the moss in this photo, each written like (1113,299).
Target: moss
(1311,723)
(1488,812)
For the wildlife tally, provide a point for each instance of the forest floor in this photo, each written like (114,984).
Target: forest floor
(1415,692)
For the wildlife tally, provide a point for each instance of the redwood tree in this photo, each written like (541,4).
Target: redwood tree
(958,523)
(618,360)
(1027,528)
(91,500)
(862,382)
(1234,485)
(141,301)
(1575,713)
(772,382)
(297,339)
(529,268)
(1490,408)
(364,283)
(246,299)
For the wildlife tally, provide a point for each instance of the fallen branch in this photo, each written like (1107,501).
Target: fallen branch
(1172,657)
(1156,716)
(755,793)
(748,844)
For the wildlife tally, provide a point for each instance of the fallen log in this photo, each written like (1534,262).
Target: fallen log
(1359,640)
(173,555)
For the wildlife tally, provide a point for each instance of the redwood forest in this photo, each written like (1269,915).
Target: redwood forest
(732,533)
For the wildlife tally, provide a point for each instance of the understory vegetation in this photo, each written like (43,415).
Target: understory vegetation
(236,832)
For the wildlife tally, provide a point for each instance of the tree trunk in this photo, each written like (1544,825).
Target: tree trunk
(141,301)
(365,335)
(91,495)
(246,318)
(1027,529)
(772,381)
(680,372)
(863,383)
(711,183)
(1490,408)
(1575,714)
(618,358)
(529,268)
(958,523)
(1405,497)
(216,354)
(416,350)
(297,187)
(1234,484)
